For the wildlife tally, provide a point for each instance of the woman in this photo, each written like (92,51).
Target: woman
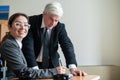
(11,50)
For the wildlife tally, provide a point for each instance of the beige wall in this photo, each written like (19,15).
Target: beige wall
(105,72)
(93,26)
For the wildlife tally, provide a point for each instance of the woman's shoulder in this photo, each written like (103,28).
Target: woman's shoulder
(9,41)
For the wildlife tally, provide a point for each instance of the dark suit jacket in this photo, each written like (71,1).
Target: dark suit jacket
(33,42)
(16,62)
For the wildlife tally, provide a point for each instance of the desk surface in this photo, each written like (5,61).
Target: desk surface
(88,77)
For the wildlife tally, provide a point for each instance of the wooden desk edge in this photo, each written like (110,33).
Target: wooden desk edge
(97,77)
(88,77)
(92,77)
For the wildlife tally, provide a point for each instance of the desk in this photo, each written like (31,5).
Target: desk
(88,77)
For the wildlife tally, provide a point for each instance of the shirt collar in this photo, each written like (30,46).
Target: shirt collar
(19,43)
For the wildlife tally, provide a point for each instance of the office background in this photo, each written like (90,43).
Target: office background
(93,26)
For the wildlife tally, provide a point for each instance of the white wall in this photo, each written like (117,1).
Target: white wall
(93,26)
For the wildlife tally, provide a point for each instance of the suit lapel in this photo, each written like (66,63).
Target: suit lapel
(41,35)
(20,51)
(24,60)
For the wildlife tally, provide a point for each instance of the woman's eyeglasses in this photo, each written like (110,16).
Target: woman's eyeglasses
(19,24)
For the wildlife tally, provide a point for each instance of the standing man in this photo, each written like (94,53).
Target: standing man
(33,44)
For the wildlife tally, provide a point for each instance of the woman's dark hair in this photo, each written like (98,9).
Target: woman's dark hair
(14,16)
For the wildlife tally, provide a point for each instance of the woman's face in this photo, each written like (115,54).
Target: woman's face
(19,28)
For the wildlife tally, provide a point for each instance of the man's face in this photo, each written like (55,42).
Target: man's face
(51,20)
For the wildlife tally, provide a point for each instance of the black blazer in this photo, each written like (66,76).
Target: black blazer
(33,42)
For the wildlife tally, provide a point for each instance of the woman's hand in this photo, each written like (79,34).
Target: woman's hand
(61,69)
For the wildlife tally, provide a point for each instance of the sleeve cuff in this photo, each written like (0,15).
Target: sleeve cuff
(35,67)
(72,66)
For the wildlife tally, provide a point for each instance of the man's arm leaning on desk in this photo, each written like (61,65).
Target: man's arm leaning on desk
(75,72)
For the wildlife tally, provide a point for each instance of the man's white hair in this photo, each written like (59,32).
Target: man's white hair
(54,8)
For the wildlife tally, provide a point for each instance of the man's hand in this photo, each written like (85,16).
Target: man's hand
(76,72)
(61,69)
